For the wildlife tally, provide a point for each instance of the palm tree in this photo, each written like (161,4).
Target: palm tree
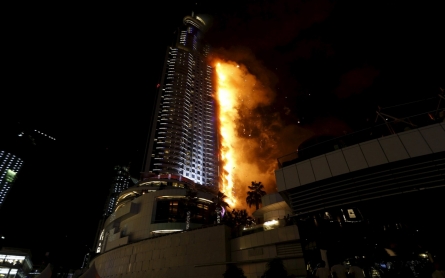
(190,202)
(229,219)
(219,205)
(241,217)
(255,194)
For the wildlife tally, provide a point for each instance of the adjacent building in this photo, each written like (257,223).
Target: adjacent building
(147,236)
(15,262)
(121,181)
(379,200)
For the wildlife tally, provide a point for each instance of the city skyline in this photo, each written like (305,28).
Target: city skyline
(321,70)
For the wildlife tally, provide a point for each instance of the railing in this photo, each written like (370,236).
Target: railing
(388,127)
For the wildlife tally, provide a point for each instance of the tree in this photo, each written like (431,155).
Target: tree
(255,194)
(233,272)
(241,217)
(190,202)
(229,219)
(220,204)
(275,269)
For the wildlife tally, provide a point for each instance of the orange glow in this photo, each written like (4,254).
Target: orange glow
(238,94)
(227,102)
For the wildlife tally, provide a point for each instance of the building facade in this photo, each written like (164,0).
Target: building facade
(379,200)
(147,236)
(121,181)
(183,138)
(9,167)
(15,263)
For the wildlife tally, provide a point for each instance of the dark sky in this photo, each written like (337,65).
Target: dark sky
(86,74)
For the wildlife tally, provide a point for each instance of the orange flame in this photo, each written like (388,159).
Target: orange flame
(239,93)
(226,98)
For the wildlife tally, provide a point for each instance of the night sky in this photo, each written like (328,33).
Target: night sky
(87,76)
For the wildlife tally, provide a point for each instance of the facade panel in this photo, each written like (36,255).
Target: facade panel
(414,143)
(435,137)
(281,184)
(291,176)
(305,172)
(337,163)
(393,148)
(373,153)
(321,168)
(354,157)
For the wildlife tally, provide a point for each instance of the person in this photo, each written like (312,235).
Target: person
(339,271)
(355,271)
(322,271)
(439,272)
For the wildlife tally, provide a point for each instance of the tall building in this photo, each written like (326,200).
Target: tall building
(121,182)
(9,167)
(182,139)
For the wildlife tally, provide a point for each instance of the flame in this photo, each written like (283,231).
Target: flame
(252,134)
(227,114)
(238,94)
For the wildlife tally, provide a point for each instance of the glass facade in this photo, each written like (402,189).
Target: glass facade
(170,210)
(9,167)
(121,182)
(183,140)
(14,263)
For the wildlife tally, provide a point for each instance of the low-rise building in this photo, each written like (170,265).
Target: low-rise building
(15,262)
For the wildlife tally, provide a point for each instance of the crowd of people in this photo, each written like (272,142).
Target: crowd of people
(357,269)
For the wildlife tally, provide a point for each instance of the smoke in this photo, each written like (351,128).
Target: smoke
(259,134)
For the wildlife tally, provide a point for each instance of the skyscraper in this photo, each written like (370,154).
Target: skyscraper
(182,139)
(121,181)
(9,167)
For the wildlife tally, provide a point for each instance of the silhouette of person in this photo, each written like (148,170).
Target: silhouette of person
(339,271)
(322,271)
(355,271)
(438,272)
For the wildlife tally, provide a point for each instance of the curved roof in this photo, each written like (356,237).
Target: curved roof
(193,21)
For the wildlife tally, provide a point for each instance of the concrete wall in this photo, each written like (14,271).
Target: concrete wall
(412,143)
(134,220)
(252,252)
(270,199)
(277,214)
(169,256)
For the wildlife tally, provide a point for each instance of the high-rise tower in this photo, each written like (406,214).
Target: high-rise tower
(121,181)
(182,139)
(9,167)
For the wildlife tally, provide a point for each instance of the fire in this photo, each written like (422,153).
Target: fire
(238,94)
(227,114)
(251,133)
